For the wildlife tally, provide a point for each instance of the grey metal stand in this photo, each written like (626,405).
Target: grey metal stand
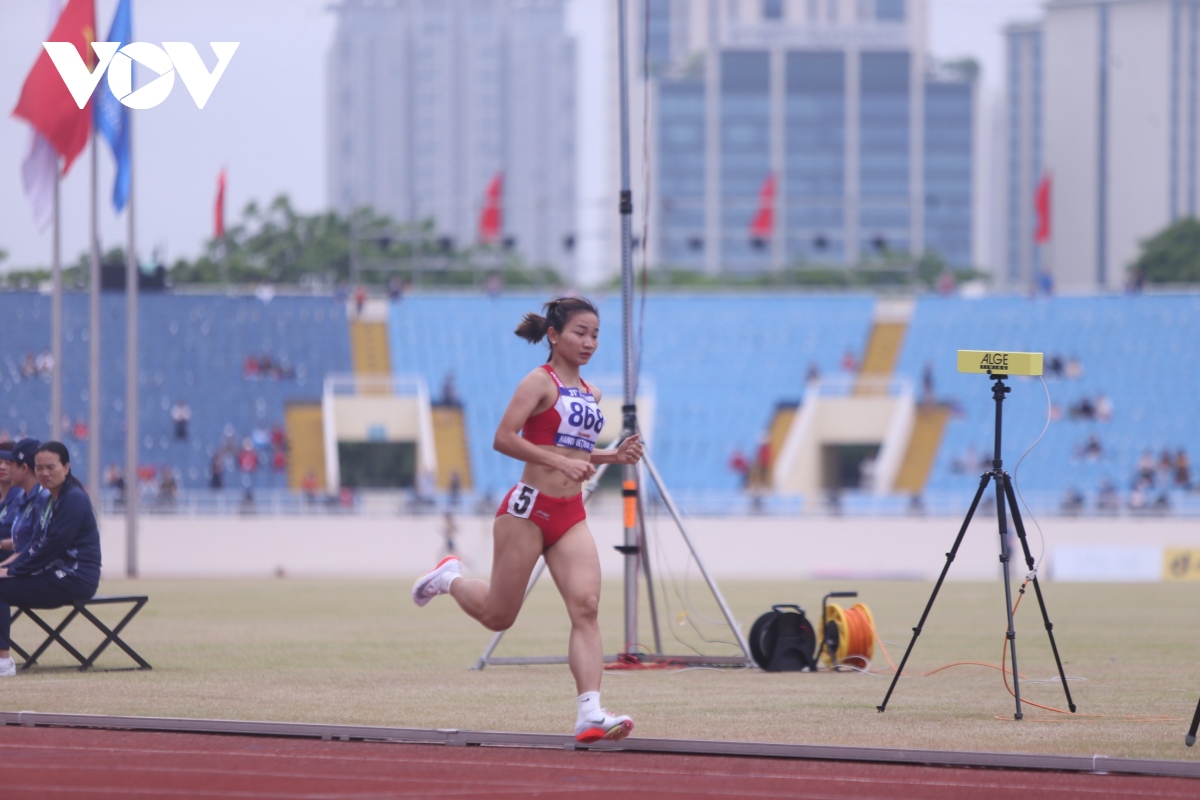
(486,658)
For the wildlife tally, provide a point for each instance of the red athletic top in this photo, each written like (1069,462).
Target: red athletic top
(573,421)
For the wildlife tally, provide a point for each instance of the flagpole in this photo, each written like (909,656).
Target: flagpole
(131,374)
(94,402)
(56,316)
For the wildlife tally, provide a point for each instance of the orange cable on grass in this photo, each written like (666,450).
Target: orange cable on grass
(1067,714)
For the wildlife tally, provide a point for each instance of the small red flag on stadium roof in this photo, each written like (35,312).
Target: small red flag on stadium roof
(219,209)
(491,219)
(46,101)
(1042,206)
(764,220)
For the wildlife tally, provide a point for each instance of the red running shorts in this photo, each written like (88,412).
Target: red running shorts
(554,516)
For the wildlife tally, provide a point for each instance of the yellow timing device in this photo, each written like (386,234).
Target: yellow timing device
(999,362)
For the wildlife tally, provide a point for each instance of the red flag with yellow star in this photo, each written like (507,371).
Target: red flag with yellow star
(45,100)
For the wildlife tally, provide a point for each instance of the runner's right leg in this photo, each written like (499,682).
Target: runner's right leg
(516,545)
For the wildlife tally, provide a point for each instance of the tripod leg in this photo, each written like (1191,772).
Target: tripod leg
(1037,588)
(1191,737)
(1011,634)
(644,547)
(983,482)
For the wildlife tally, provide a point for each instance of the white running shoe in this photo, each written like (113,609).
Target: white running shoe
(429,585)
(603,725)
(8,668)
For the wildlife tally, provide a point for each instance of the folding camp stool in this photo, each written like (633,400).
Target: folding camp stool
(80,607)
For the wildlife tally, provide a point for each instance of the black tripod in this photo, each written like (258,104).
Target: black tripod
(1191,737)
(1004,495)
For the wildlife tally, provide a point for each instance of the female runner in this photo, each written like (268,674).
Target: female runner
(551,424)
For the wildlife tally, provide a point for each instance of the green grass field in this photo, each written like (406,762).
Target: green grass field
(358,651)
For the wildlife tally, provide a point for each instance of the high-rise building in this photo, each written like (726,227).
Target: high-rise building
(1023,168)
(1114,84)
(810,131)
(430,103)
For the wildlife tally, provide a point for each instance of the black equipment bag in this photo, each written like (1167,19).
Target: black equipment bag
(783,641)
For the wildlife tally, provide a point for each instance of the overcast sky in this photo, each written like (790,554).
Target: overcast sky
(265,120)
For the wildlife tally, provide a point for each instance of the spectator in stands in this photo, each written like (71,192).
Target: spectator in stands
(181,416)
(762,464)
(45,364)
(1084,409)
(216,473)
(1107,501)
(360,299)
(168,488)
(80,429)
(1072,502)
(250,368)
(1145,467)
(308,485)
(740,467)
(114,478)
(927,383)
(1074,368)
(449,391)
(849,362)
(1104,407)
(260,436)
(278,437)
(454,490)
(1091,449)
(278,460)
(247,457)
(1137,498)
(61,562)
(1166,468)
(1183,469)
(866,474)
(29,366)
(1054,366)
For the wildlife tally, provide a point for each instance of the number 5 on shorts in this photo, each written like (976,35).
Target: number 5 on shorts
(520,502)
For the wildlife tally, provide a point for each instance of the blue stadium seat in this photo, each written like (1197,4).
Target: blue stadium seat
(720,364)
(1137,350)
(191,347)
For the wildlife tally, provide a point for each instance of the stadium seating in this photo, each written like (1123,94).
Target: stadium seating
(719,366)
(192,347)
(1134,349)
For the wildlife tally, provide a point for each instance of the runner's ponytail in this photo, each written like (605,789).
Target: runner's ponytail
(558,313)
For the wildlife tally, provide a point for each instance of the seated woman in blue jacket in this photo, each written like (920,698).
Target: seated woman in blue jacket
(61,562)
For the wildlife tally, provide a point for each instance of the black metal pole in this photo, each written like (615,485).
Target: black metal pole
(1037,588)
(1191,735)
(998,392)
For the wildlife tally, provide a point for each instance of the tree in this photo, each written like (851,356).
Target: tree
(1171,256)
(277,244)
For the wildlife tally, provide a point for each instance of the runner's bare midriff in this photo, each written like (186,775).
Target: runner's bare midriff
(550,481)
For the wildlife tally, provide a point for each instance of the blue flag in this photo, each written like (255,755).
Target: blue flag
(111,118)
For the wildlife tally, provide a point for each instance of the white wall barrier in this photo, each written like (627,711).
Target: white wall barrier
(777,548)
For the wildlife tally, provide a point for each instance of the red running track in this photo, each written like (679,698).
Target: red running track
(50,763)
